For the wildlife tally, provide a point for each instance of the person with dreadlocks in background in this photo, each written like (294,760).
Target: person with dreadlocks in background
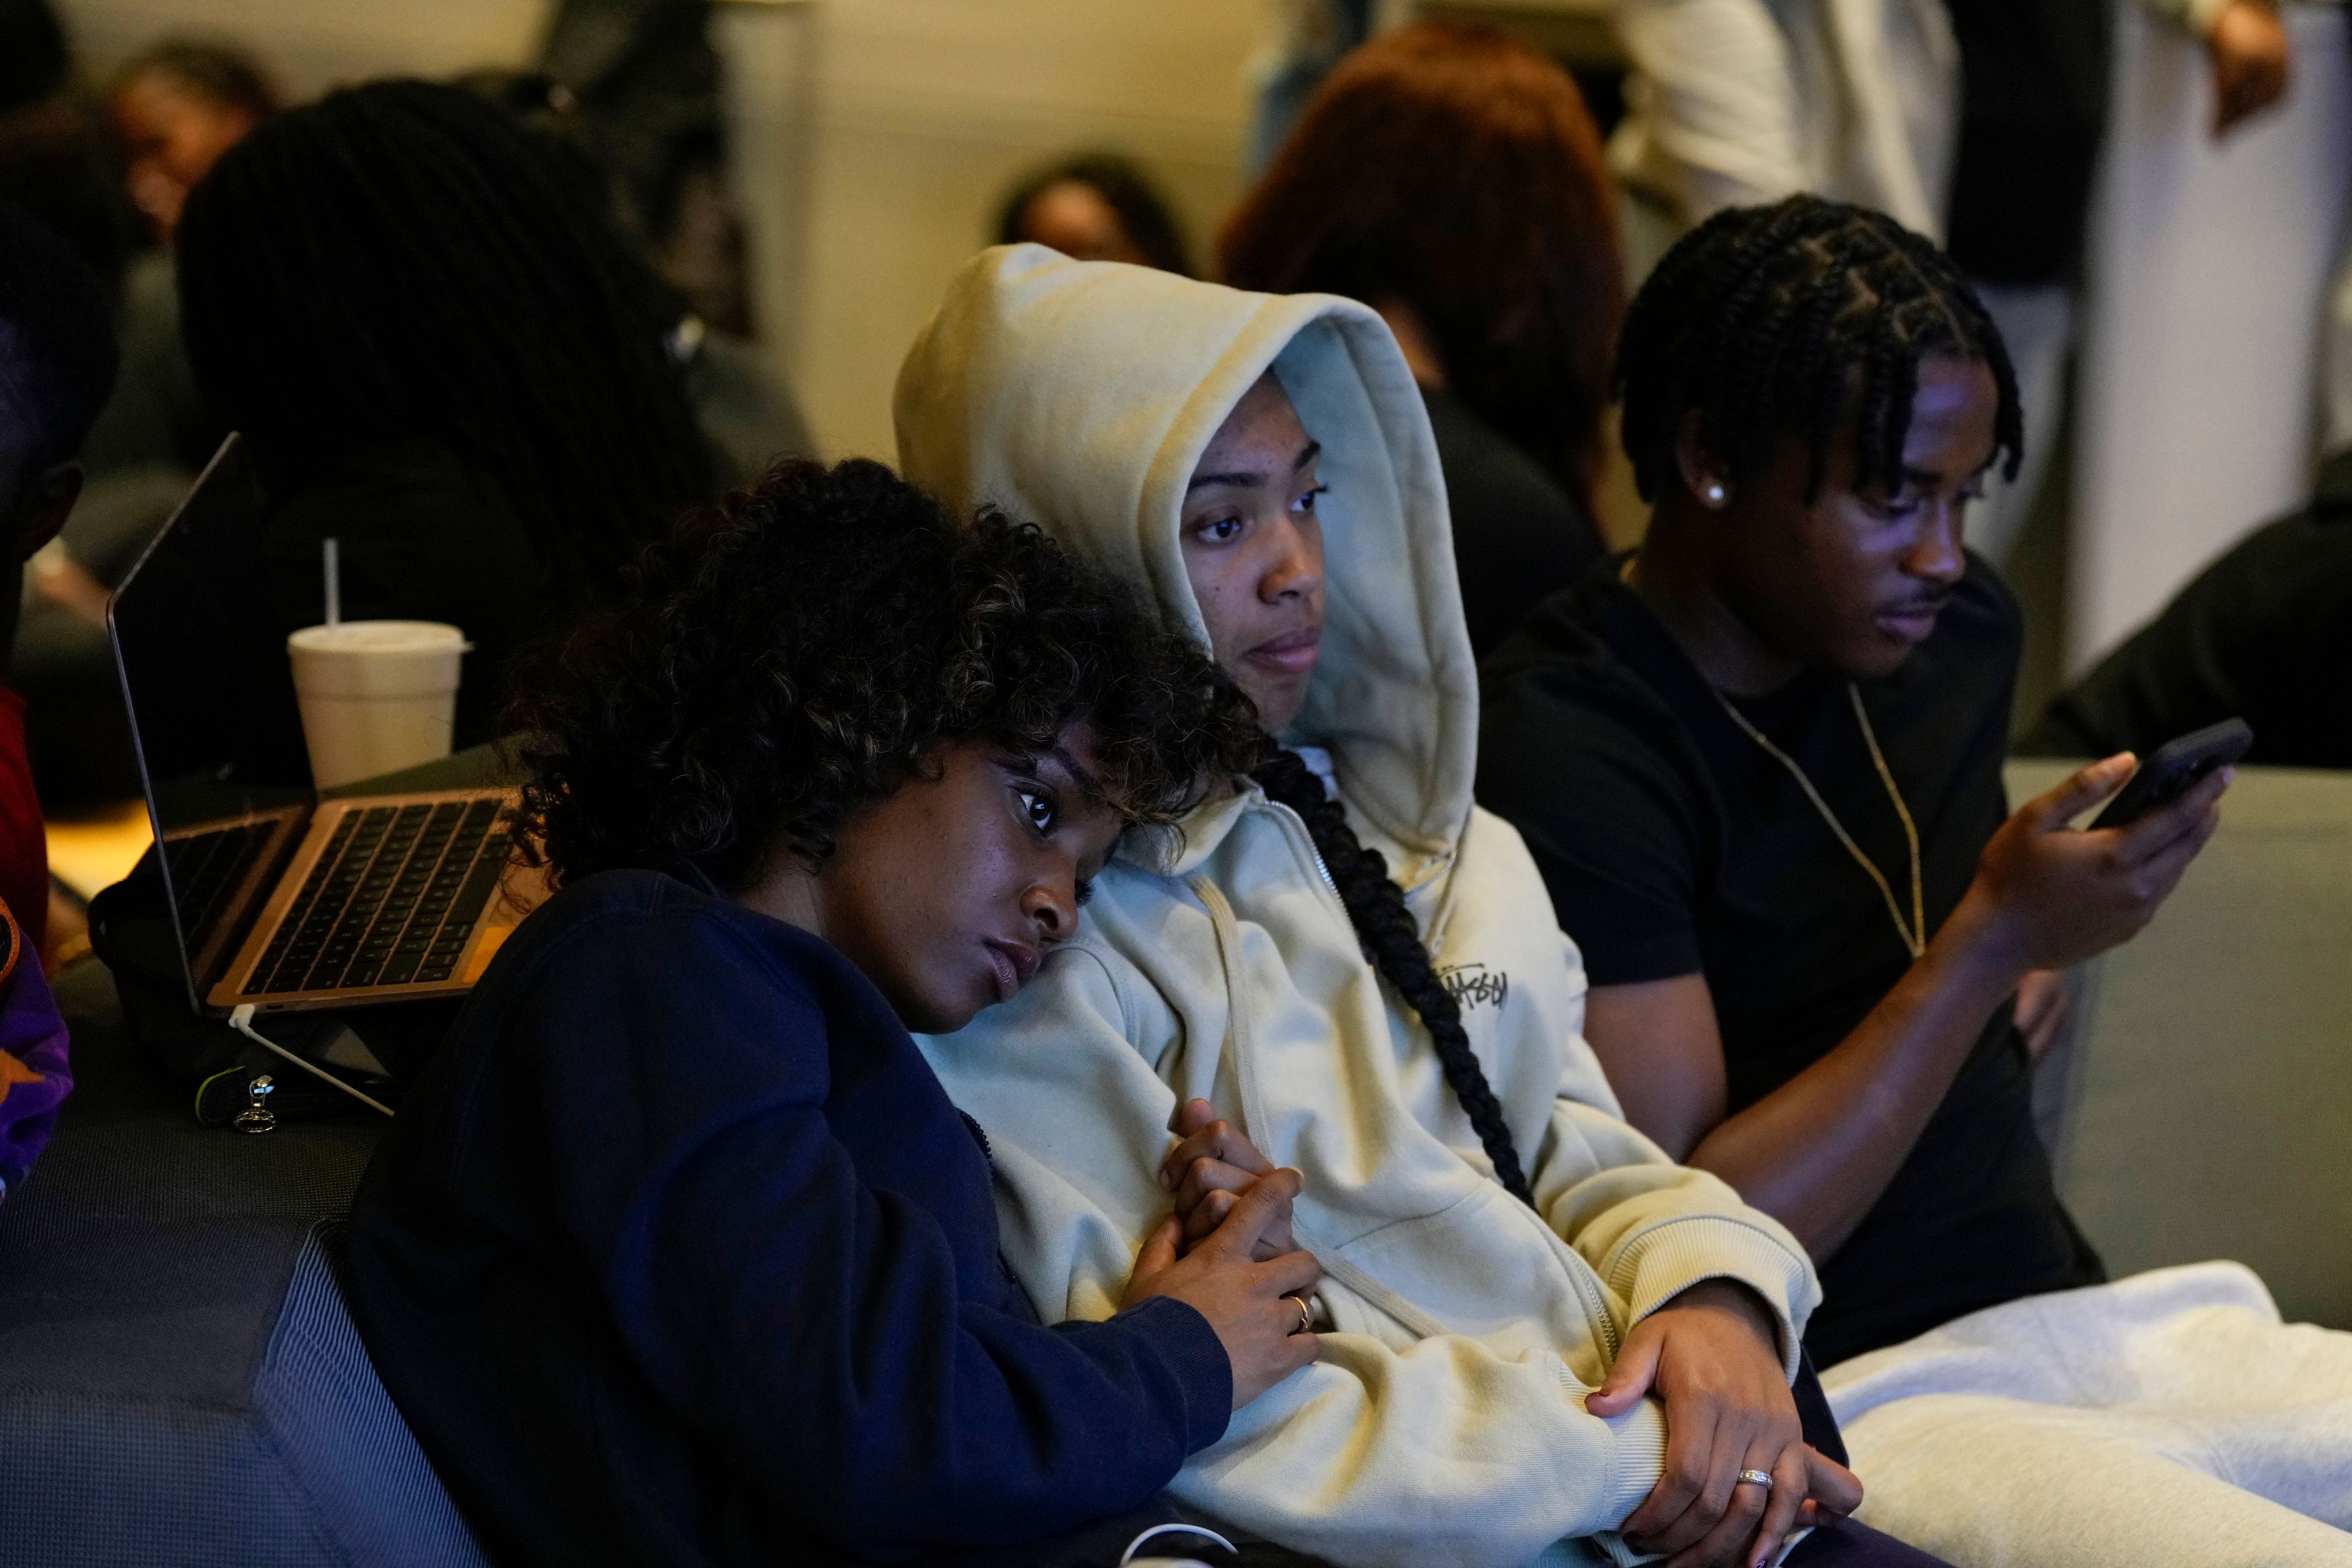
(1541,1337)
(1758,761)
(446,356)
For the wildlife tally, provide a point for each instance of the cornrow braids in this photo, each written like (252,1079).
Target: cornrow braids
(1802,315)
(1392,940)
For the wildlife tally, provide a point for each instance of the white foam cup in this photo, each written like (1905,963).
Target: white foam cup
(376,696)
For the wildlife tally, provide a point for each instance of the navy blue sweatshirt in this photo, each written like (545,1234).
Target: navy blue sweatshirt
(679,1253)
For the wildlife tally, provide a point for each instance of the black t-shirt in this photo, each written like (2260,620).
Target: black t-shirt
(1518,536)
(2264,633)
(1674,845)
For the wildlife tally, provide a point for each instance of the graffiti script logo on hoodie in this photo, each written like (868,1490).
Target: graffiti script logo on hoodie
(1476,985)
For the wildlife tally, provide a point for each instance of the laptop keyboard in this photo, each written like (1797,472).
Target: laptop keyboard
(207,869)
(391,902)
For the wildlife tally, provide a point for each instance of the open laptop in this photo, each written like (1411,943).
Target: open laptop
(280,899)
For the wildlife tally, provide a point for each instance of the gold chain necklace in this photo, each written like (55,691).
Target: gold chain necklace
(1914,934)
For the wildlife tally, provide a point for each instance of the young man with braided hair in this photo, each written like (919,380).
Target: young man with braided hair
(1541,1338)
(1758,764)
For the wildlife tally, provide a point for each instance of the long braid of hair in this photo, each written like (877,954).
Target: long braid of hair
(1392,939)
(1798,317)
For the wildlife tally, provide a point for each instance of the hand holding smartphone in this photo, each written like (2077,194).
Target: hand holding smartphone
(2175,768)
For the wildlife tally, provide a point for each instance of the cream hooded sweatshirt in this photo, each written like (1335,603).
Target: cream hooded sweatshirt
(1442,1423)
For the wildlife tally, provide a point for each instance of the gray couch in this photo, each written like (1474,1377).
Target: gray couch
(179,1381)
(2204,1108)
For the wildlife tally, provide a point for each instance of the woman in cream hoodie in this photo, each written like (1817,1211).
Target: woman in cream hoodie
(1446,1420)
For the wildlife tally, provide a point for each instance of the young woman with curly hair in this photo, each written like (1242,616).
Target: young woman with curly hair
(1449,176)
(680,1254)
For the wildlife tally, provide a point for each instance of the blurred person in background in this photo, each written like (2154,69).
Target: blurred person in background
(1094,206)
(56,160)
(176,107)
(2034,91)
(59,163)
(1448,175)
(2264,633)
(446,355)
(1976,122)
(744,404)
(644,77)
(56,364)
(1306,38)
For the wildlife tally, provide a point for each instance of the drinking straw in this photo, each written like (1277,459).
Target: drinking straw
(334,584)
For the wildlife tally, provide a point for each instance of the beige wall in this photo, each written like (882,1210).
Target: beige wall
(927,108)
(922,111)
(312,45)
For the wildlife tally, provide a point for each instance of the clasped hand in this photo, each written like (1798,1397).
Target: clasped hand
(1709,1356)
(1239,1269)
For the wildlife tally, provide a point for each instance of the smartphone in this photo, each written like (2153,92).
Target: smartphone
(2177,764)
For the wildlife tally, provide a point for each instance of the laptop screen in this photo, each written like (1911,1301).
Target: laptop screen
(212,717)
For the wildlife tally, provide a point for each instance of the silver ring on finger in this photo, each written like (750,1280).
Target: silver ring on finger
(1306,1321)
(1756,1478)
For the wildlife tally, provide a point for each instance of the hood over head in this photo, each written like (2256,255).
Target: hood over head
(1079,396)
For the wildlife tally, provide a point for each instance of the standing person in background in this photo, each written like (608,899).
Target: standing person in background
(1096,206)
(1448,177)
(740,398)
(1975,122)
(2033,112)
(1308,38)
(644,74)
(176,107)
(1733,102)
(444,354)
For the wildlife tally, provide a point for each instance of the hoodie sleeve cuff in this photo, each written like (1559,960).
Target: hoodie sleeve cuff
(1638,1460)
(1182,1340)
(1682,1253)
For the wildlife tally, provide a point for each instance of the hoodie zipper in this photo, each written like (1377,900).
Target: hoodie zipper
(1294,828)
(1324,871)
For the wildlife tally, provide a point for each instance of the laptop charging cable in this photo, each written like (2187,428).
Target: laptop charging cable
(241,1020)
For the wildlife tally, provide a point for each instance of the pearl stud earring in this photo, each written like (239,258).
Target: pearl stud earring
(1715,495)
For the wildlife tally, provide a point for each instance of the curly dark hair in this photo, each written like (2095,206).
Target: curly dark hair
(1798,316)
(802,647)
